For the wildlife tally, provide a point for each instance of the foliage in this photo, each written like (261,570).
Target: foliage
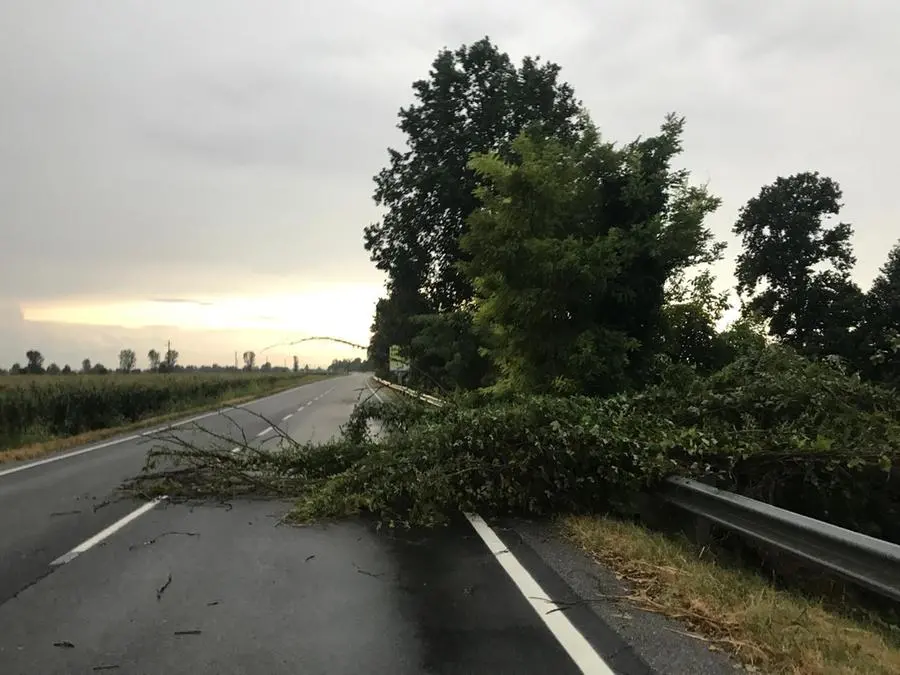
(40,407)
(249,360)
(692,310)
(804,263)
(474,100)
(127,360)
(880,349)
(774,425)
(446,352)
(571,252)
(35,362)
(153,359)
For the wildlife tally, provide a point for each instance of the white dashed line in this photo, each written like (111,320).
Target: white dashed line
(103,534)
(264,432)
(287,417)
(236,449)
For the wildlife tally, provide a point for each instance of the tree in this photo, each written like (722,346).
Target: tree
(86,366)
(475,99)
(803,264)
(153,358)
(692,310)
(127,360)
(99,369)
(447,352)
(881,326)
(249,360)
(170,360)
(67,369)
(571,252)
(296,367)
(53,369)
(35,362)
(15,369)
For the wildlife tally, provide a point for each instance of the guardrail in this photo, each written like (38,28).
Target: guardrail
(869,562)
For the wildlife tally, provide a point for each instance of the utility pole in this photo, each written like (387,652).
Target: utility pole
(235,360)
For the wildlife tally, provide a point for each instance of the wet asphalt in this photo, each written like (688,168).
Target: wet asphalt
(229,588)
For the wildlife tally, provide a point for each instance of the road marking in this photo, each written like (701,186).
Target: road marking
(133,437)
(569,637)
(287,417)
(264,432)
(103,534)
(375,393)
(236,449)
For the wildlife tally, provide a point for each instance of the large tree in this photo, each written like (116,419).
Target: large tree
(881,327)
(475,99)
(795,266)
(571,252)
(153,359)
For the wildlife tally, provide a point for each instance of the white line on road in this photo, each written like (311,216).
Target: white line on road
(236,449)
(569,637)
(132,437)
(103,534)
(264,432)
(287,417)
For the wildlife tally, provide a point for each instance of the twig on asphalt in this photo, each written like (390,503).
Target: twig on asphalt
(162,589)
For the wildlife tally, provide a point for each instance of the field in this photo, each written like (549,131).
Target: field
(34,409)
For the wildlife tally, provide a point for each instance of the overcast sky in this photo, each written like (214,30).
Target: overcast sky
(222,151)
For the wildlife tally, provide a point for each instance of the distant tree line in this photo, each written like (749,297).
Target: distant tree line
(156,363)
(356,365)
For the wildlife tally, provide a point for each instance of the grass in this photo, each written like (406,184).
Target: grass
(767,629)
(56,443)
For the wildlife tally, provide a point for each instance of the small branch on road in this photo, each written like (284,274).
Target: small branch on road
(374,575)
(162,589)
(160,536)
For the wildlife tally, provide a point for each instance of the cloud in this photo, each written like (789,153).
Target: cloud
(149,151)
(182,301)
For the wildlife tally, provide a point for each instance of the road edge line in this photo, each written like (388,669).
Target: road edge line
(567,635)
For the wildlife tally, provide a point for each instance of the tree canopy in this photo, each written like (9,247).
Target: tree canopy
(571,251)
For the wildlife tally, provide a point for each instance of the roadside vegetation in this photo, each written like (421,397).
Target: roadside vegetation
(556,288)
(38,413)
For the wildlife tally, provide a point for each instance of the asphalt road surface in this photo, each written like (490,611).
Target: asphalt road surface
(93,584)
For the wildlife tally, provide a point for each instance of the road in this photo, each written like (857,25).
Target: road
(93,584)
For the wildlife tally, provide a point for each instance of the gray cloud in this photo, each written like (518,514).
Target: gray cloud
(195,147)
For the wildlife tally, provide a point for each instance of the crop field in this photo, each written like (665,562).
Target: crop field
(40,407)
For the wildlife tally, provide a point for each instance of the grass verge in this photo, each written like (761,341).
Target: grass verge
(59,443)
(767,629)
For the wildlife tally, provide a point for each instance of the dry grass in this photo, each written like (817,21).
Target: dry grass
(768,630)
(60,443)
